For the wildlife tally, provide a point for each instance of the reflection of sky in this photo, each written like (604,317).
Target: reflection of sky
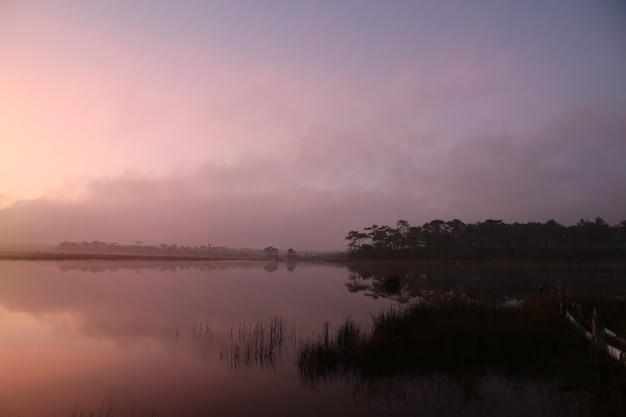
(75,337)
(250,123)
(124,305)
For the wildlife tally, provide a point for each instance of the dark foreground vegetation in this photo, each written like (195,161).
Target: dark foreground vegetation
(457,338)
(491,240)
(449,336)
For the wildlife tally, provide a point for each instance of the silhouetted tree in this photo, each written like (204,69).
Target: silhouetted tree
(291,254)
(270,252)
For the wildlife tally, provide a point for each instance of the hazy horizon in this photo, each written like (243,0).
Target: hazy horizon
(248,124)
(176,245)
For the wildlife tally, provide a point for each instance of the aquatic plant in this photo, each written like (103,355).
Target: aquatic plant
(449,336)
(108,409)
(258,343)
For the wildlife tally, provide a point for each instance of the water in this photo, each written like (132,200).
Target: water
(169,339)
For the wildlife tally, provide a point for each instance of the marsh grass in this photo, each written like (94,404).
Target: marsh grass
(200,330)
(258,344)
(108,409)
(246,344)
(449,336)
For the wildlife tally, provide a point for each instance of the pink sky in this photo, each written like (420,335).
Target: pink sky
(291,123)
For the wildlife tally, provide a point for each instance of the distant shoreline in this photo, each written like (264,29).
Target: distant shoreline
(57,256)
(53,256)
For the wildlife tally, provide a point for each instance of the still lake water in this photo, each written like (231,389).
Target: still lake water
(168,339)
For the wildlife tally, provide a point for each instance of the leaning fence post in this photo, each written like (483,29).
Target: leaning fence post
(597,331)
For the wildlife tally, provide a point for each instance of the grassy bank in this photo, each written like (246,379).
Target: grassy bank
(451,336)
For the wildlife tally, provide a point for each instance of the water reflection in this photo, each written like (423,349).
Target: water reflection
(72,337)
(177,338)
(139,266)
(484,281)
(471,394)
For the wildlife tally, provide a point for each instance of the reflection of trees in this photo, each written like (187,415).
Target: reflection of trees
(271,266)
(357,282)
(469,394)
(374,283)
(483,281)
(138,266)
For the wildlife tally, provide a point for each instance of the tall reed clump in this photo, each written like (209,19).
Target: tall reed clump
(331,354)
(449,336)
(258,343)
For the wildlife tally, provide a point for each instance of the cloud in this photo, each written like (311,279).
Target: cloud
(228,153)
(569,170)
(311,196)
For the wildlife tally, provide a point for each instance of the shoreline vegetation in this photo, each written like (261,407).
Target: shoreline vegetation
(458,337)
(586,241)
(448,335)
(438,241)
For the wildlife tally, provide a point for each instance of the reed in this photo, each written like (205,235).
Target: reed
(258,344)
(107,409)
(449,336)
(200,330)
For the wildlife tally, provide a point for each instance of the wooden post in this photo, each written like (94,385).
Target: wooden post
(599,342)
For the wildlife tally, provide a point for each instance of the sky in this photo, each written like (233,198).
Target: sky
(289,123)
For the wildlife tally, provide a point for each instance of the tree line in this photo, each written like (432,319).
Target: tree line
(141,249)
(491,239)
(201,251)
